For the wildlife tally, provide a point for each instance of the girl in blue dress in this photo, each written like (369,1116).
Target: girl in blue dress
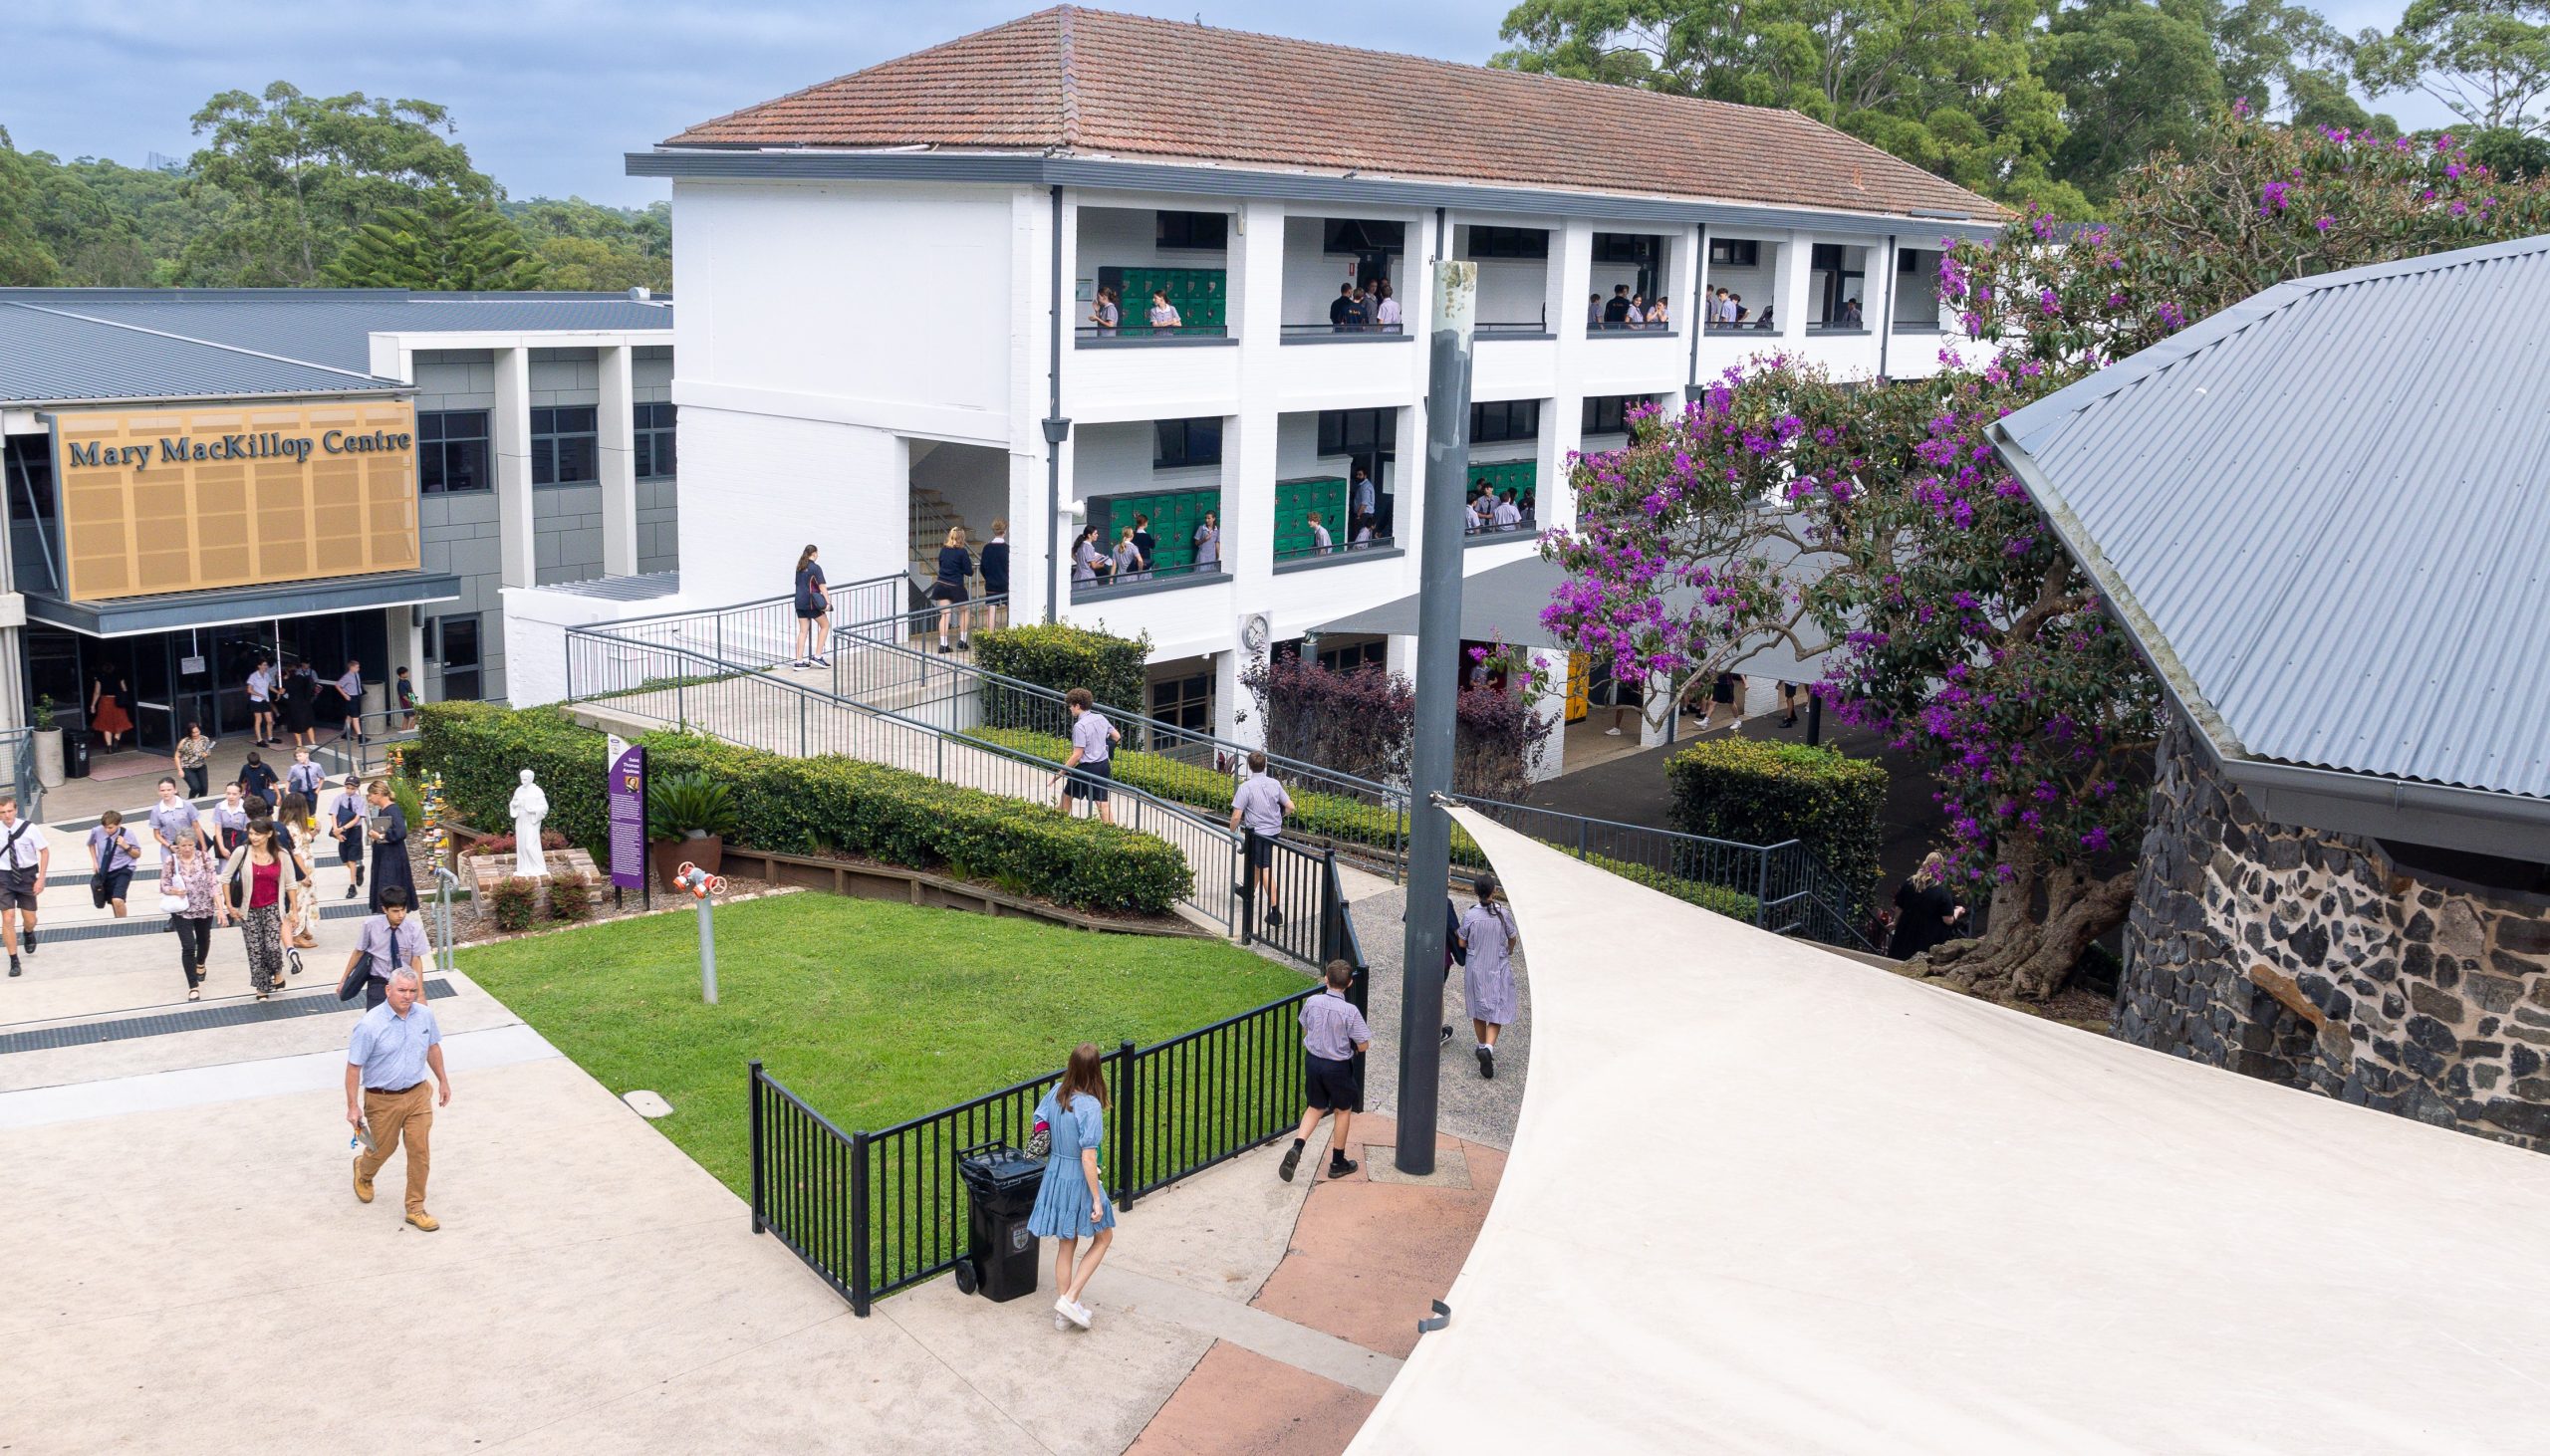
(1072,1204)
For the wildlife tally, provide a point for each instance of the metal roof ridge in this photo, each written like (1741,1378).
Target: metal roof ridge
(371,380)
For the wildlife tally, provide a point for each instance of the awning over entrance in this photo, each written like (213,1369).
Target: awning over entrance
(129,616)
(1505,602)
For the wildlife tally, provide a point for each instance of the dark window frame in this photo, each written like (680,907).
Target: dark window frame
(1608,414)
(1508,242)
(1184,702)
(1368,235)
(1735,253)
(476,670)
(436,445)
(1345,432)
(1179,444)
(653,426)
(1180,231)
(1638,249)
(1502,420)
(555,450)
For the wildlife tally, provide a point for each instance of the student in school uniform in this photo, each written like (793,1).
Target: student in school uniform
(1489,939)
(261,702)
(948,589)
(1129,557)
(995,569)
(1319,534)
(349,691)
(346,823)
(1144,541)
(306,780)
(257,780)
(1087,562)
(1088,767)
(1208,544)
(230,817)
(113,855)
(1333,1031)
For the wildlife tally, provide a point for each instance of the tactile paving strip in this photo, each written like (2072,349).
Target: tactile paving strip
(193,1019)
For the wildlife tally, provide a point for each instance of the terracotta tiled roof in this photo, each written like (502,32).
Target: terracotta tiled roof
(1094,83)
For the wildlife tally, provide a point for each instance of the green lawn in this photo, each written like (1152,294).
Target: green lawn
(871,1011)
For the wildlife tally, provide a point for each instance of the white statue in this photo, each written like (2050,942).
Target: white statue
(530,806)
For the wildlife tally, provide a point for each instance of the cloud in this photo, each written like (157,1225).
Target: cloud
(546,94)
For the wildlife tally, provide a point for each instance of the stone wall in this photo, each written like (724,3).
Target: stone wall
(2312,959)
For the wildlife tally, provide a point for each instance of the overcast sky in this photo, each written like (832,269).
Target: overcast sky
(548,93)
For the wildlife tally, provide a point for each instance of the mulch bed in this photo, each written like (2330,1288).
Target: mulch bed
(1169,923)
(472,925)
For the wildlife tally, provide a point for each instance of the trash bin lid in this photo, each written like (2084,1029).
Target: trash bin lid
(998,1165)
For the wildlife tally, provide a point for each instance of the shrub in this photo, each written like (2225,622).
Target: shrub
(1356,722)
(1061,656)
(504,844)
(571,896)
(1763,793)
(678,804)
(514,902)
(807,806)
(1496,734)
(1324,815)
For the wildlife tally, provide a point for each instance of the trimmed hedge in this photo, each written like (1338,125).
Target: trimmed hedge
(795,806)
(1760,793)
(1061,656)
(1338,817)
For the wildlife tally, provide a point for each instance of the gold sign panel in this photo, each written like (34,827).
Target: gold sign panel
(186,499)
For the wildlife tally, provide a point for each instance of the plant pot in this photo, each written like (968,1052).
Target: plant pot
(49,757)
(668,856)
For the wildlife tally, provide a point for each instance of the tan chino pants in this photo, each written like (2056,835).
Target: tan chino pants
(392,1115)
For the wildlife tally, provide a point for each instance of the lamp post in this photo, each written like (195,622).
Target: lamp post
(1438,683)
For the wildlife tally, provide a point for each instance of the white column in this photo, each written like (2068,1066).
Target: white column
(1562,434)
(1399,654)
(512,424)
(1256,308)
(618,412)
(1234,708)
(1797,264)
(1248,508)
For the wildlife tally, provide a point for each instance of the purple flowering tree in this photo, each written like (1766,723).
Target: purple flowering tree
(1968,637)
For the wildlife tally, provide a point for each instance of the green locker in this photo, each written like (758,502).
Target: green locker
(1294,502)
(1520,476)
(1173,516)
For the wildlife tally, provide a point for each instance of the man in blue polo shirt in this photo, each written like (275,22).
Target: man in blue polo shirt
(393,1048)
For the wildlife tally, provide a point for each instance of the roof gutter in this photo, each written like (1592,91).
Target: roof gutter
(1028,169)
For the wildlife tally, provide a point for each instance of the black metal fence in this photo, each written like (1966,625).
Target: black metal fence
(877,1212)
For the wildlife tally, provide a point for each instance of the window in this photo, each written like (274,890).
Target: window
(1608,414)
(452,452)
(1357,431)
(565,447)
(1509,242)
(1186,702)
(1734,253)
(1627,248)
(1354,235)
(1187,442)
(1909,260)
(1345,659)
(1209,230)
(654,441)
(458,640)
(1505,420)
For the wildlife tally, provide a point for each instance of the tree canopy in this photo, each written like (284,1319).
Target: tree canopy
(290,191)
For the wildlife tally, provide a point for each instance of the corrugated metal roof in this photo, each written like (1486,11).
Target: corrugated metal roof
(2325,514)
(332,327)
(46,356)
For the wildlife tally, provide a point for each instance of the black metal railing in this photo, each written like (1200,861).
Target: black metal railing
(1339,551)
(1102,583)
(1296,332)
(928,714)
(877,1212)
(1491,531)
(1282,885)
(1147,329)
(681,689)
(919,628)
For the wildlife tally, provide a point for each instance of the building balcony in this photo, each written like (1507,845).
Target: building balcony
(1151,335)
(1106,582)
(1340,554)
(1350,333)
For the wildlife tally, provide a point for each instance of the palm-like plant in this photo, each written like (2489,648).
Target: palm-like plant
(689,806)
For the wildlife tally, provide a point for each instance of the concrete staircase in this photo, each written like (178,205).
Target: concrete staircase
(932,517)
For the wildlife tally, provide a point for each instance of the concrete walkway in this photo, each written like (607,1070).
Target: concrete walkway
(186,1255)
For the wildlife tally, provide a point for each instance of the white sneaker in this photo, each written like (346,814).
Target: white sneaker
(1079,1313)
(1064,1309)
(1062,1320)
(1610,732)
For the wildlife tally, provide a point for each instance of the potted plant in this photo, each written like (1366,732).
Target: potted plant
(688,817)
(47,735)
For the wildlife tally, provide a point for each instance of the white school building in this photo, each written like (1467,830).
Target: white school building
(892,317)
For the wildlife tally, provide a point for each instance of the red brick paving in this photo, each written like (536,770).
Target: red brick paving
(1239,1402)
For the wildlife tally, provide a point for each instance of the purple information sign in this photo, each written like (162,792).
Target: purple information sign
(628,794)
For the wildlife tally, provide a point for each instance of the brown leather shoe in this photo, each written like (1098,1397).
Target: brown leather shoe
(423,1222)
(363,1185)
